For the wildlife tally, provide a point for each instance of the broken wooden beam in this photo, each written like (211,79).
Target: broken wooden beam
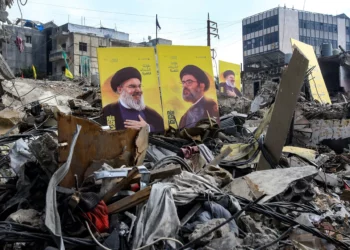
(161,173)
(130,201)
(120,185)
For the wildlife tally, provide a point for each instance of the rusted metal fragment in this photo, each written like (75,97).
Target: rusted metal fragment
(95,144)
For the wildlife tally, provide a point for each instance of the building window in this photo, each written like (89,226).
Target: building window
(28,39)
(82,46)
(64,46)
(271,38)
(63,68)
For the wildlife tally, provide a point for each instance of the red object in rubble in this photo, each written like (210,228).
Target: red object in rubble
(135,187)
(98,217)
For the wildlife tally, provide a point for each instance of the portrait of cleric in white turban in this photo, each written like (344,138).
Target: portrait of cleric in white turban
(130,110)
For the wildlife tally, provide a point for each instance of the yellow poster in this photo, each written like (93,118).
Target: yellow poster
(230,78)
(129,88)
(187,84)
(318,87)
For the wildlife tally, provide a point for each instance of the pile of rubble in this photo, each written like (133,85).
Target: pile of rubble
(67,182)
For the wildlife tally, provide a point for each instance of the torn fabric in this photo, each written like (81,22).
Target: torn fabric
(158,218)
(188,186)
(20,154)
(52,218)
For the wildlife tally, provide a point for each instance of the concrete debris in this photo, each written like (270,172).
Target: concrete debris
(8,120)
(29,217)
(264,97)
(261,239)
(272,183)
(197,188)
(228,241)
(206,227)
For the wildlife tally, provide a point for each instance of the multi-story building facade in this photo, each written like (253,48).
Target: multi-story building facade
(266,40)
(79,44)
(30,49)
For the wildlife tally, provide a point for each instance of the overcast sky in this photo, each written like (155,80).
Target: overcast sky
(182,21)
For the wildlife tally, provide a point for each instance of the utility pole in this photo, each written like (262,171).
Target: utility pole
(212,29)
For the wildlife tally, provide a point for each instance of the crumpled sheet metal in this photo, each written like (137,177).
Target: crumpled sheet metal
(270,182)
(96,144)
(52,217)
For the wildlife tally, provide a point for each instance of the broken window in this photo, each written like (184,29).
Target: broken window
(82,46)
(28,39)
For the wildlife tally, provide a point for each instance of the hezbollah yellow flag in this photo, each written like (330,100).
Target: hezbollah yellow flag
(34,71)
(69,74)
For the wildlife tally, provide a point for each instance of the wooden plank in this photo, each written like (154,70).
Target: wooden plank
(161,173)
(282,114)
(130,201)
(165,172)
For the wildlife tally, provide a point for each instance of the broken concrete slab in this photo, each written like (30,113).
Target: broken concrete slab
(52,93)
(329,129)
(228,242)
(331,179)
(26,216)
(281,118)
(270,182)
(206,227)
(8,119)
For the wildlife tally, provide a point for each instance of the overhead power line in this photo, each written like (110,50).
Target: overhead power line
(224,46)
(120,13)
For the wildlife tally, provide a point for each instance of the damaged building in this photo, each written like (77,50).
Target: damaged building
(266,41)
(79,43)
(33,43)
(258,177)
